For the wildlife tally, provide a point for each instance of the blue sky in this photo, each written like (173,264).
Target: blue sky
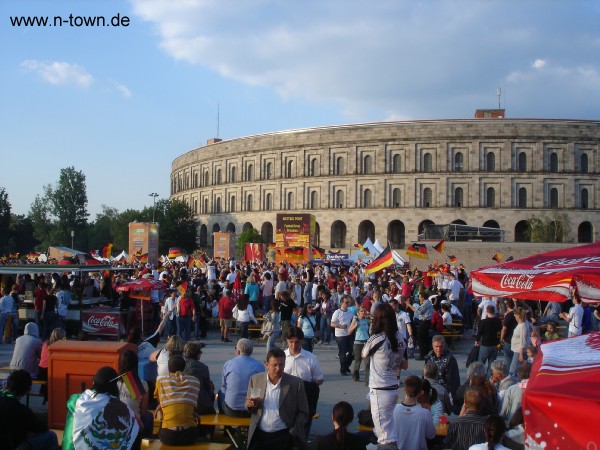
(120,103)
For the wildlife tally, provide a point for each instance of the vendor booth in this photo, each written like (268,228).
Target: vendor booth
(547,276)
(561,402)
(140,289)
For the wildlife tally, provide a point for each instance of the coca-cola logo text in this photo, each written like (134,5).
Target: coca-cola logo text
(102,321)
(562,262)
(517,281)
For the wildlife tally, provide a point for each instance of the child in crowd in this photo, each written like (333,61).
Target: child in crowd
(531,352)
(551,333)
(536,341)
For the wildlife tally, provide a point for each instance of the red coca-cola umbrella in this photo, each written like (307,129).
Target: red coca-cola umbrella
(141,285)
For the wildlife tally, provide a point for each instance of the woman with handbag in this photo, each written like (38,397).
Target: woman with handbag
(272,325)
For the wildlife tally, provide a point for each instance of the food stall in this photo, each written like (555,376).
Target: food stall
(104,321)
(140,289)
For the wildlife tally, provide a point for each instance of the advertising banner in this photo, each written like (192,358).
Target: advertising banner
(102,322)
(254,252)
(143,239)
(295,233)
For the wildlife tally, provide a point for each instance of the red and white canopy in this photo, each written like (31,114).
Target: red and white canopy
(546,276)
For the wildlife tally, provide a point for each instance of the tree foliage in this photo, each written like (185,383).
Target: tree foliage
(5,209)
(178,227)
(250,236)
(548,229)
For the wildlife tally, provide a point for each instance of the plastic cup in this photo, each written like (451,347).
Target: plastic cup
(255,393)
(443,419)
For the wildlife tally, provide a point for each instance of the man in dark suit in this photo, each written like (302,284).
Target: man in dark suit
(278,405)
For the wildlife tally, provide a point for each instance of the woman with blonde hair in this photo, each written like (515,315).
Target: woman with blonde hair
(174,346)
(520,340)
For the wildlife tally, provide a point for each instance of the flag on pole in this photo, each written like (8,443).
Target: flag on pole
(174,252)
(318,252)
(384,260)
(134,385)
(106,251)
(439,247)
(191,262)
(497,257)
(417,250)
(363,249)
(182,288)
(452,258)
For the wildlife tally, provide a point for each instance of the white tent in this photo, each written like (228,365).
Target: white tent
(371,247)
(122,256)
(397,258)
(378,246)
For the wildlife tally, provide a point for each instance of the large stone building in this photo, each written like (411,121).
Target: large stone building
(386,180)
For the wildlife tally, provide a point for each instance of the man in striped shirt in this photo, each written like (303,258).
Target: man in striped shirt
(177,395)
(468,429)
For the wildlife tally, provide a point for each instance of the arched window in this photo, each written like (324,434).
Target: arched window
(427,163)
(314,199)
(458,162)
(339,166)
(290,167)
(218,205)
(338,234)
(490,162)
(522,198)
(268,202)
(368,164)
(584,199)
(232,176)
(290,200)
(458,197)
(269,171)
(490,197)
(522,166)
(249,202)
(427,198)
(206,178)
(232,204)
(250,173)
(396,164)
(195,206)
(314,168)
(219,180)
(205,206)
(339,199)
(396,198)
(367,199)
(554,198)
(196,180)
(583,163)
(553,162)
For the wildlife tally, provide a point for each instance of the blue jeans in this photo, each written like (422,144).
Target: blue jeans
(508,353)
(326,329)
(307,344)
(244,329)
(272,339)
(515,363)
(487,355)
(171,327)
(184,324)
(15,325)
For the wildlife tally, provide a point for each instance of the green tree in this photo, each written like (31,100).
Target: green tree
(178,227)
(5,209)
(247,237)
(548,229)
(100,231)
(22,238)
(43,228)
(68,203)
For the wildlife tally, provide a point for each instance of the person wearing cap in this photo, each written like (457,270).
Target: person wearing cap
(100,418)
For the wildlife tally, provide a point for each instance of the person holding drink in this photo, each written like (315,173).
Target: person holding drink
(278,407)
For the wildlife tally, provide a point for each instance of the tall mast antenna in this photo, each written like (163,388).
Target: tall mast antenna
(499,94)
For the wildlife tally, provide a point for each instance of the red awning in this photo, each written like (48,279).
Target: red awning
(546,276)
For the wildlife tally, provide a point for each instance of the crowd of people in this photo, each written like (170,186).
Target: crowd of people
(377,321)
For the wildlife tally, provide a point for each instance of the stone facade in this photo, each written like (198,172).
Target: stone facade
(385,180)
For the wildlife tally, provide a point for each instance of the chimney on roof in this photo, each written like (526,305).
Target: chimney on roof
(489,114)
(213,141)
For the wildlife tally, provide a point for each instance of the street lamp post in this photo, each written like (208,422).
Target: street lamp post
(72,238)
(153,195)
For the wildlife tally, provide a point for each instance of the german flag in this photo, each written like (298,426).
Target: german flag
(417,250)
(363,249)
(33,255)
(143,258)
(497,257)
(452,258)
(174,252)
(439,247)
(106,251)
(191,262)
(204,257)
(384,260)
(182,288)
(318,252)
(294,250)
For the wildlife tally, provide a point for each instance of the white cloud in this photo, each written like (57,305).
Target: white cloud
(60,72)
(394,58)
(124,90)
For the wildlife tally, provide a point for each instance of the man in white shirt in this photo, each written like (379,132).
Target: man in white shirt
(278,405)
(413,424)
(304,365)
(574,317)
(402,318)
(341,320)
(281,286)
(454,287)
(481,309)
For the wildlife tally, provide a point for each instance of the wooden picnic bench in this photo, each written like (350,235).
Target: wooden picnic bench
(34,383)
(441,430)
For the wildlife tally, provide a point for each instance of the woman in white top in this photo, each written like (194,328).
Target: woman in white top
(308,323)
(273,316)
(173,346)
(386,348)
(494,429)
(520,341)
(243,314)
